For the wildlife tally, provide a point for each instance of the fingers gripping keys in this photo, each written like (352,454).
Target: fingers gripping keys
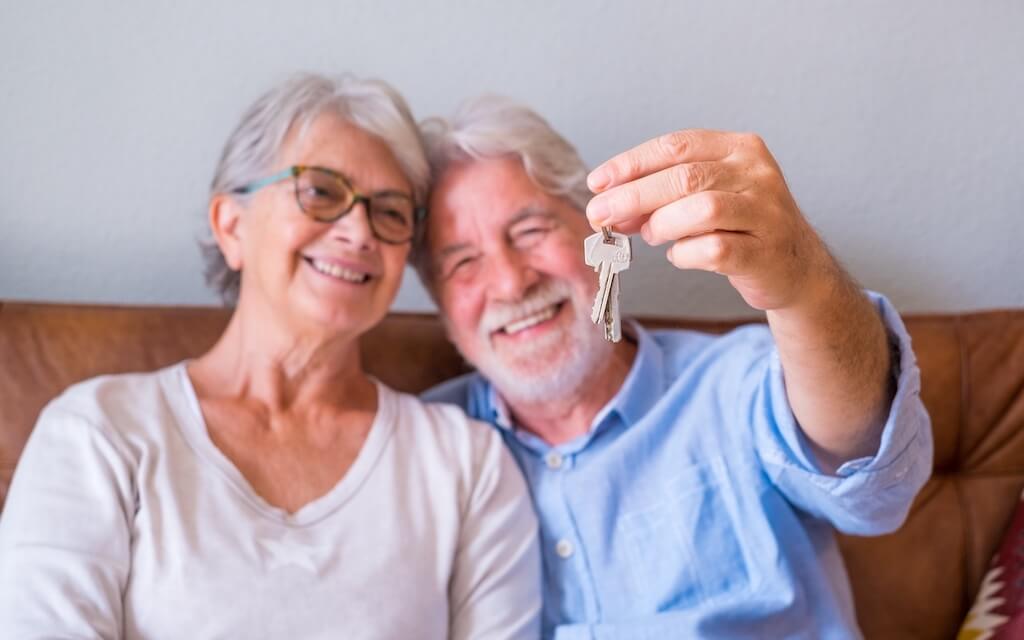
(609,253)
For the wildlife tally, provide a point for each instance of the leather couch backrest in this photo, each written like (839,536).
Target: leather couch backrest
(916,583)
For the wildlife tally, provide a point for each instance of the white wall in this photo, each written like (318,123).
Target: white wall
(898,124)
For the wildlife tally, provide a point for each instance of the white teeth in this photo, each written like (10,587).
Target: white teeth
(529,321)
(337,271)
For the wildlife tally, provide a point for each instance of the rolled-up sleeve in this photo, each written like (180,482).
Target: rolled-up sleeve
(865,496)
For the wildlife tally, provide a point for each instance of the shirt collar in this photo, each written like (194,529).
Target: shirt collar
(644,384)
(500,415)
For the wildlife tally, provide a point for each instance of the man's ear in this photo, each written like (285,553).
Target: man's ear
(225,214)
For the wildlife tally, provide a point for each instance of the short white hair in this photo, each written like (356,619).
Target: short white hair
(492,126)
(253,147)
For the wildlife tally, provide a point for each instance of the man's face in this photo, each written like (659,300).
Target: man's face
(509,276)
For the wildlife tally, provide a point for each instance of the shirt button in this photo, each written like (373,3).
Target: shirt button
(564,548)
(554,460)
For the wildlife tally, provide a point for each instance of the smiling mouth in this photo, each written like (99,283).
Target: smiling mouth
(531,320)
(338,272)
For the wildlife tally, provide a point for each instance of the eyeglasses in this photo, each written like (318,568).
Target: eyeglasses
(327,195)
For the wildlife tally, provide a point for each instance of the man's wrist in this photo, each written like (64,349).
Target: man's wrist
(825,293)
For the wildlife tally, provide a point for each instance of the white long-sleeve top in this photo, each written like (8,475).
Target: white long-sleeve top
(124,520)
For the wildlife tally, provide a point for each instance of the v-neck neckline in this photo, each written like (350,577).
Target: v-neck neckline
(194,429)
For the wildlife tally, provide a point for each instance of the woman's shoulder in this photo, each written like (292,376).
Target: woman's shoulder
(115,399)
(445,425)
(441,445)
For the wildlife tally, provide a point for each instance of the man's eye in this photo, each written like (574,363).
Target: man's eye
(530,236)
(462,264)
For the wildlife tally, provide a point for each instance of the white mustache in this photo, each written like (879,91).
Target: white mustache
(499,314)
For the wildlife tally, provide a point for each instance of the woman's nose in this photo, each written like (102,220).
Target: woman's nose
(354,227)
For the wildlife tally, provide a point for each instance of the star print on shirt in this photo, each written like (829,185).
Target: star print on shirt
(283,553)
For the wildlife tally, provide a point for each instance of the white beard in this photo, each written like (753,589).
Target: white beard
(554,365)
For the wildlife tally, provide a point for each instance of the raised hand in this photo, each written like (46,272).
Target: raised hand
(721,201)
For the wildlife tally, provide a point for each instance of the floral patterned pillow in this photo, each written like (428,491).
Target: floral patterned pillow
(998,611)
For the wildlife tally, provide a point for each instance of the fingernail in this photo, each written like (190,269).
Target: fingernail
(597,211)
(598,179)
(645,232)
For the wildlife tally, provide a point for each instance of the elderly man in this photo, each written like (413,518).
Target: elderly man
(687,484)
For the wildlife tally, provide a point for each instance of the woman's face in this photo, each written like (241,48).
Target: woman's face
(325,277)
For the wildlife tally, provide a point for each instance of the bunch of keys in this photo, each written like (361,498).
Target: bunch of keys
(609,253)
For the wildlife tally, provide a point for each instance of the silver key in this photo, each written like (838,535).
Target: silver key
(598,255)
(609,253)
(613,319)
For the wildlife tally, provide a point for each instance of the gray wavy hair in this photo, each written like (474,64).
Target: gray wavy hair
(252,148)
(492,126)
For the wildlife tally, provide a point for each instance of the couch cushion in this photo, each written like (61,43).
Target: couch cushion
(998,611)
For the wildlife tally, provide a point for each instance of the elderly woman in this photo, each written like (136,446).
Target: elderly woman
(270,488)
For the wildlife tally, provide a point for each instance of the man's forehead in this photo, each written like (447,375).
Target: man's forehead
(489,184)
(490,194)
(462,230)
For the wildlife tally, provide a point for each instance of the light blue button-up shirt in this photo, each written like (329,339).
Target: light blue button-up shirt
(694,508)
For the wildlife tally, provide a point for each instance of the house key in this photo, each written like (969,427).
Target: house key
(609,253)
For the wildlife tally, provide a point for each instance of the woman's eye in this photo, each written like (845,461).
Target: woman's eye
(394,216)
(313,192)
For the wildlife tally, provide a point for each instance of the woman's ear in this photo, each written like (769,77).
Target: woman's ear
(225,214)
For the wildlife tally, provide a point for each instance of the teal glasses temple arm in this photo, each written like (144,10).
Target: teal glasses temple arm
(256,185)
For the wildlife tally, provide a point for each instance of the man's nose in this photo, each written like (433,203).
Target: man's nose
(510,276)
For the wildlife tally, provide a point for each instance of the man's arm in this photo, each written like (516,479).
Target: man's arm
(721,201)
(837,362)
(869,495)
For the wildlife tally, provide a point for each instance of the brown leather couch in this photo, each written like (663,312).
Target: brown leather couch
(916,583)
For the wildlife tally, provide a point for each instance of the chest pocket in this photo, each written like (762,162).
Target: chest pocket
(683,546)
